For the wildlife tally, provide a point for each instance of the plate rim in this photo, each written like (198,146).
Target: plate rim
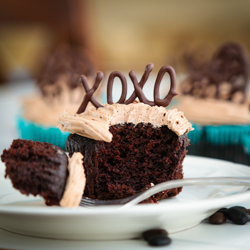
(141,209)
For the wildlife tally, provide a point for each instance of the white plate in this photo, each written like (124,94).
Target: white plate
(29,216)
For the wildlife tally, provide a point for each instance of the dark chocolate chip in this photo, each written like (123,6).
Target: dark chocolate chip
(238,215)
(217,218)
(159,240)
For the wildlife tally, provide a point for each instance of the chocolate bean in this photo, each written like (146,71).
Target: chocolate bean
(159,240)
(240,207)
(223,210)
(156,237)
(149,233)
(247,210)
(217,218)
(238,215)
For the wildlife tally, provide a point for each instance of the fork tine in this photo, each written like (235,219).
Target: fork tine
(86,202)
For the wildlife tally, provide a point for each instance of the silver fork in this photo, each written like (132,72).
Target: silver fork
(137,198)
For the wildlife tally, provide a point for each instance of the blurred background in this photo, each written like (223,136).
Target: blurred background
(115,35)
(118,35)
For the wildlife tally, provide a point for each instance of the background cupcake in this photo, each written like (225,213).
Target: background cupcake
(59,89)
(214,97)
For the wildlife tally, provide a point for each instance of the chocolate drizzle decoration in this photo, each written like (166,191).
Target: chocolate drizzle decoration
(138,86)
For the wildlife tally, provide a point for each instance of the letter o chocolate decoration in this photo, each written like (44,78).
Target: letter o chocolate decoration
(172,92)
(110,87)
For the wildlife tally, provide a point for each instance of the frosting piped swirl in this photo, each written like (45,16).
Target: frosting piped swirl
(214,112)
(95,123)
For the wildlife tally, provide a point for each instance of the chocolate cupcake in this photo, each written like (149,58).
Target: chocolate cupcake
(59,89)
(214,97)
(130,145)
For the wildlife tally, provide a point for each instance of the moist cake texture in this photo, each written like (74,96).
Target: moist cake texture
(37,168)
(138,157)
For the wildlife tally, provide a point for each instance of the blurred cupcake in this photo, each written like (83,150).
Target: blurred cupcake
(214,97)
(59,89)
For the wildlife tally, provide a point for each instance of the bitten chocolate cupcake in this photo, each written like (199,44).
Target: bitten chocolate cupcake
(214,97)
(130,145)
(59,89)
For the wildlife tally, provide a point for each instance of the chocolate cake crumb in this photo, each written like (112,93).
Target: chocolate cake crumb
(37,168)
(137,156)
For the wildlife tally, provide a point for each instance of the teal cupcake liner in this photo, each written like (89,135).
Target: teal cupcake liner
(196,134)
(226,134)
(246,143)
(37,132)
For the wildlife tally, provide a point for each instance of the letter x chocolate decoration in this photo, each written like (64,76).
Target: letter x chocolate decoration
(137,85)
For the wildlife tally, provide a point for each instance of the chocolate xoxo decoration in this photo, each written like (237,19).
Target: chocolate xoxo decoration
(137,85)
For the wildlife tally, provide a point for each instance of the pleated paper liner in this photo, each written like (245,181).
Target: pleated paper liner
(31,131)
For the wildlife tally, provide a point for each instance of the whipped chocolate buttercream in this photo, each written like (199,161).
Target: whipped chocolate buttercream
(214,112)
(95,123)
(75,183)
